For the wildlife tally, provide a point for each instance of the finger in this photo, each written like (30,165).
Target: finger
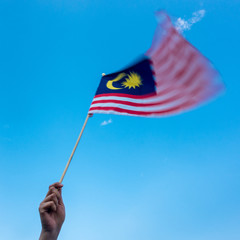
(53,190)
(57,192)
(60,200)
(51,197)
(56,185)
(45,207)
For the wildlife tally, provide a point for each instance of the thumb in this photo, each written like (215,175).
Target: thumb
(60,199)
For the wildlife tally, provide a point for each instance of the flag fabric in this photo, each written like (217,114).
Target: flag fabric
(173,76)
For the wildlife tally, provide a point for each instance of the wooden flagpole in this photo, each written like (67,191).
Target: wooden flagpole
(74,149)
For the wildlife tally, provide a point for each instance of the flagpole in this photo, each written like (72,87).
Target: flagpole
(74,149)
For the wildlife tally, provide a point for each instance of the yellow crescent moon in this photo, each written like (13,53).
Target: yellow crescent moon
(110,82)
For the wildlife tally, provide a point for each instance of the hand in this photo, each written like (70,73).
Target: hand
(52,213)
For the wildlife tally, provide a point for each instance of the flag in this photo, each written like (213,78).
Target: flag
(172,77)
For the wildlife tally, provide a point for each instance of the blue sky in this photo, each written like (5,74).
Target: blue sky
(168,178)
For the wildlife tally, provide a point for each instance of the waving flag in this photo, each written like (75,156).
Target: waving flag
(172,77)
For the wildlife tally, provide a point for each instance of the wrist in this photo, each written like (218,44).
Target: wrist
(45,235)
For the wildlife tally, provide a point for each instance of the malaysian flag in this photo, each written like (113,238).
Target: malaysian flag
(173,76)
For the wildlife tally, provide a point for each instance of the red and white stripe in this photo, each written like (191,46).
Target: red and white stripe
(183,78)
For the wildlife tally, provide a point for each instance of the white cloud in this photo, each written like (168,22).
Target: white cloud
(183,25)
(104,123)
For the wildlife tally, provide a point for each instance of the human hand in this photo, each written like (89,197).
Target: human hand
(52,213)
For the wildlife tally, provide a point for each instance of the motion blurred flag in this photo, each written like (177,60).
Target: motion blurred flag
(172,77)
